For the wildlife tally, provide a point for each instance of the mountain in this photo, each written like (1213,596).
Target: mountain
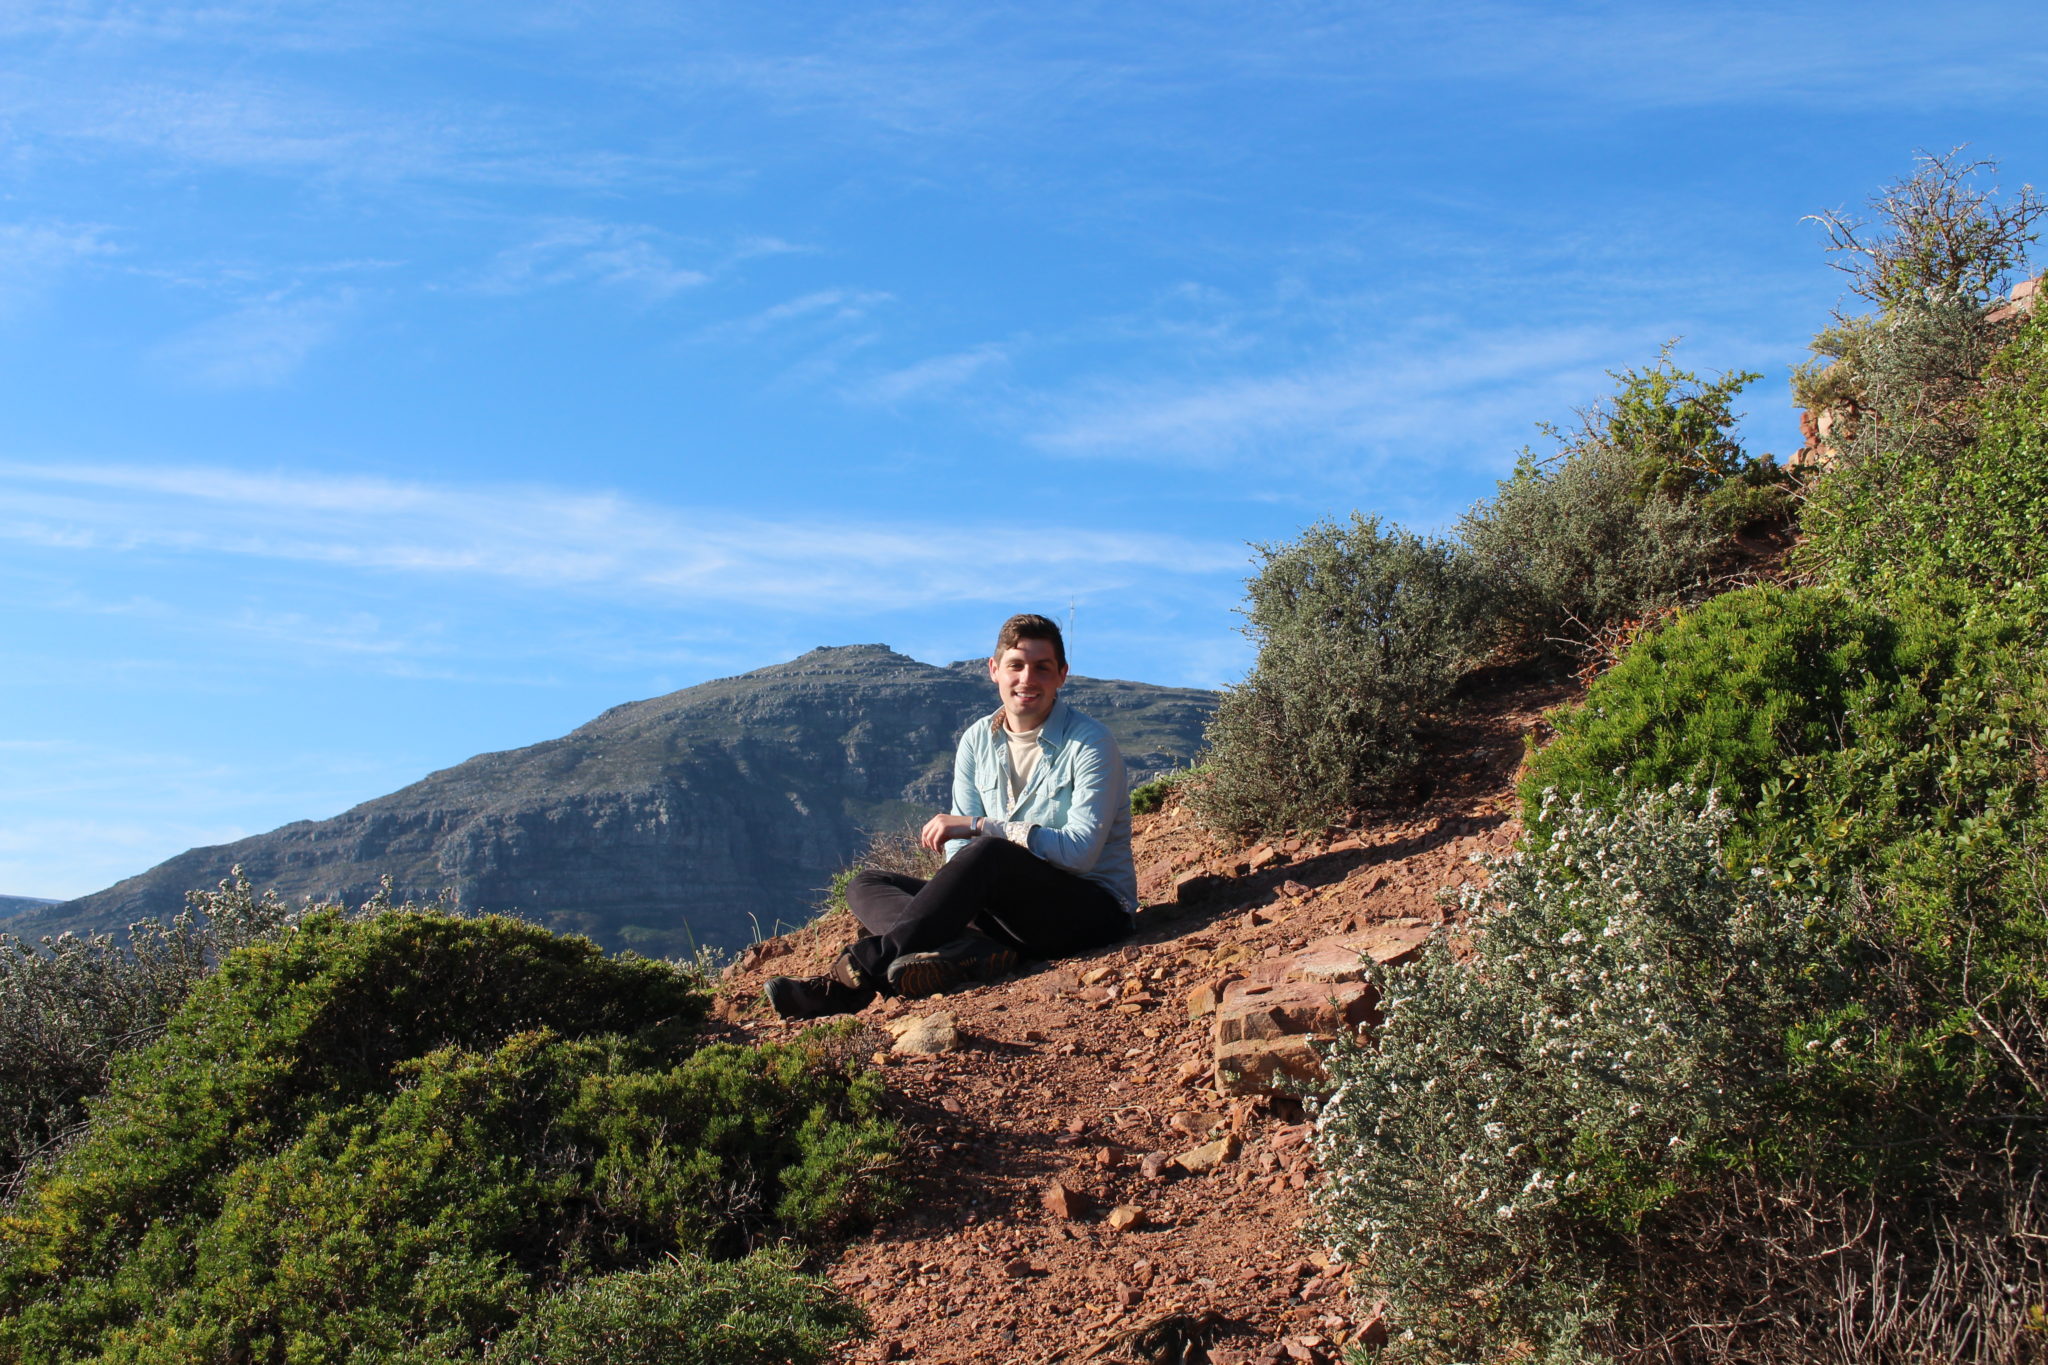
(706,816)
(21,905)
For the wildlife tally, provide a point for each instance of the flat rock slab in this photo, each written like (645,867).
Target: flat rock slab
(1345,956)
(925,1034)
(1276,1009)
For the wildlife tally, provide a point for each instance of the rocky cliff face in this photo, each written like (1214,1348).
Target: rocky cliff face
(706,816)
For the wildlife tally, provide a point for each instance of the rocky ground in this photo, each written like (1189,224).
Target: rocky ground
(1085,1183)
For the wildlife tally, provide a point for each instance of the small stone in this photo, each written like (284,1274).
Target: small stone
(1095,976)
(1129,1295)
(1192,1072)
(1017,1269)
(925,1035)
(1062,1202)
(1294,889)
(1201,1001)
(1208,1156)
(1077,1125)
(1262,857)
(1125,1216)
(1155,1165)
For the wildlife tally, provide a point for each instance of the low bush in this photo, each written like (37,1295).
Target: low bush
(69,1006)
(1362,633)
(1943,493)
(390,1134)
(1670,1110)
(760,1310)
(1148,797)
(1631,513)
(1853,743)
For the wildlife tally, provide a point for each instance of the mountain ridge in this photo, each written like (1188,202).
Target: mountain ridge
(701,817)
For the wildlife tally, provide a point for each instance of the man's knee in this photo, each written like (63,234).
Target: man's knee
(988,850)
(867,881)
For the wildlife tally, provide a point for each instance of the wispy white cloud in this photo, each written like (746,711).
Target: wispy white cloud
(555,542)
(818,310)
(930,378)
(34,255)
(1363,405)
(578,251)
(262,343)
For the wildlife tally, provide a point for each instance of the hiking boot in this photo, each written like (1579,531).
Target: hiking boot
(967,958)
(814,997)
(851,974)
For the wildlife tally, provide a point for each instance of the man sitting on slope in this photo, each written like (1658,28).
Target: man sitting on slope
(1038,850)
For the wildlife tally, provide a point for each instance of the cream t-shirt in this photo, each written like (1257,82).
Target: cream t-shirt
(1023,761)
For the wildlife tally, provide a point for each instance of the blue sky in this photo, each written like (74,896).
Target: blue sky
(390,383)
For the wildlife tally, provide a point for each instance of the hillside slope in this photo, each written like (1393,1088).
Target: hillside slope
(1072,1074)
(705,816)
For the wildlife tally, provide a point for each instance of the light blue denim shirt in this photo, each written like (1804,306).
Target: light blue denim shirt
(1076,809)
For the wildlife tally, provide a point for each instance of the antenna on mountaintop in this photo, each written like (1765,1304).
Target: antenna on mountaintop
(1068,631)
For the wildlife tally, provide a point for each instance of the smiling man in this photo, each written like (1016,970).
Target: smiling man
(1038,850)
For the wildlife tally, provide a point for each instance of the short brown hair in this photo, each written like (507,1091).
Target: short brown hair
(1027,626)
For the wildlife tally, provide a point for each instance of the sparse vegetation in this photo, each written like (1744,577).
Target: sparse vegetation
(1148,797)
(1363,630)
(1631,514)
(69,1006)
(888,850)
(1940,233)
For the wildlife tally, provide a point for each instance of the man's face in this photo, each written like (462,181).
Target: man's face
(1028,675)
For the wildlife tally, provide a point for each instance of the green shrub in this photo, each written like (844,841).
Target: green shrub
(1943,493)
(69,1006)
(1851,742)
(760,1310)
(1629,516)
(389,1134)
(1148,797)
(1669,1110)
(1362,634)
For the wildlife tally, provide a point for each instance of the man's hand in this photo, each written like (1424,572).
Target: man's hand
(942,829)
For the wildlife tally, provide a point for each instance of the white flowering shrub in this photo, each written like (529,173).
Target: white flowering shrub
(70,1005)
(1635,1020)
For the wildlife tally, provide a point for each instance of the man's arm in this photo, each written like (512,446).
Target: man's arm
(951,832)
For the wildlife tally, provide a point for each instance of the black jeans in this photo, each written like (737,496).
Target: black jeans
(993,887)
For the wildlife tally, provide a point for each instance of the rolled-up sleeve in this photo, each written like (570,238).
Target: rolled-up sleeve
(1098,777)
